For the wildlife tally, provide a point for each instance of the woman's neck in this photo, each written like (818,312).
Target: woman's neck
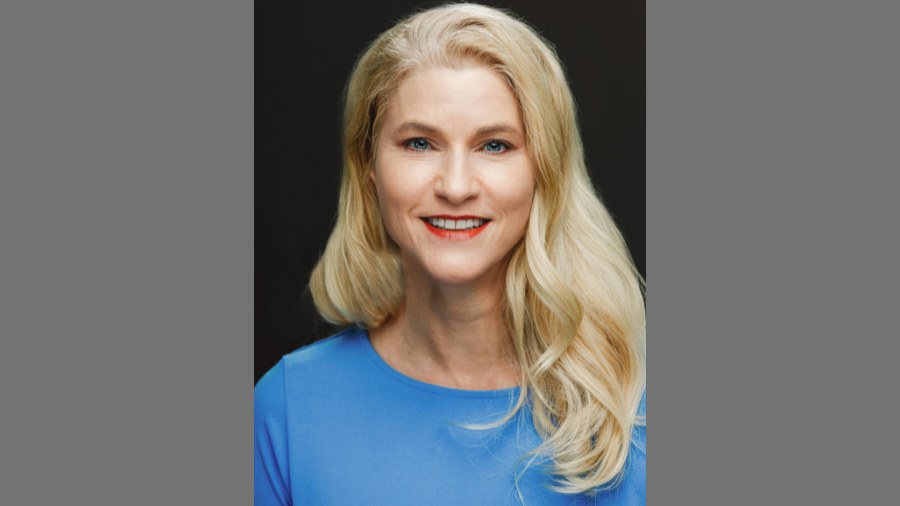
(453,336)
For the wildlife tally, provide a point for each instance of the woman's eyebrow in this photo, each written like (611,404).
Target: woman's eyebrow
(415,125)
(499,128)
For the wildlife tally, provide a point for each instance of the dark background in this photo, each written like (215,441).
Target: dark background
(303,57)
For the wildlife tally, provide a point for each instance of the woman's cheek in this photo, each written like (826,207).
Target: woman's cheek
(517,195)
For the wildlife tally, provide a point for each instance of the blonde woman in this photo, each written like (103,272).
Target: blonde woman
(494,343)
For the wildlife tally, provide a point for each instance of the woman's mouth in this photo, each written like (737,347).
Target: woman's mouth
(455,227)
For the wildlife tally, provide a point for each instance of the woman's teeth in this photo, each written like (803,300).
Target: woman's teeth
(444,224)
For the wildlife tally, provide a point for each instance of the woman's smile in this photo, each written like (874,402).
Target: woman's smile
(455,227)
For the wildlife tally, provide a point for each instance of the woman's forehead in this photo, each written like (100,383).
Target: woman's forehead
(435,98)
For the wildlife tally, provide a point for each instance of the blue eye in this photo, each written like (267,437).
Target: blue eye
(495,146)
(418,144)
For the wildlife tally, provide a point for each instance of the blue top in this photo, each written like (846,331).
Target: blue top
(335,424)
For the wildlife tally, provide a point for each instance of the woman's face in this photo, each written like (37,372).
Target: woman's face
(453,177)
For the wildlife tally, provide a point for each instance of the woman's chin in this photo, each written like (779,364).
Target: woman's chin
(461,277)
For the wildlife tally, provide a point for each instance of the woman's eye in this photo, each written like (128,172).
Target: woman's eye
(495,146)
(418,144)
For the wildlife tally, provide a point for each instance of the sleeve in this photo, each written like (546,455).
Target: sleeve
(271,479)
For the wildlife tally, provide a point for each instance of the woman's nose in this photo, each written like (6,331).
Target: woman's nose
(457,182)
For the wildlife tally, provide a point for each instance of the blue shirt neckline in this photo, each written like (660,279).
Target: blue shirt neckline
(388,369)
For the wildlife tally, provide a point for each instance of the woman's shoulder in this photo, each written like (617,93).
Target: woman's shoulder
(635,482)
(296,379)
(322,359)
(639,432)
(631,488)
(340,347)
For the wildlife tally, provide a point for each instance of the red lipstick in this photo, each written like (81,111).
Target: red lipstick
(435,225)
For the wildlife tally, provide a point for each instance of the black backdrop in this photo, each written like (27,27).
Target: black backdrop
(303,55)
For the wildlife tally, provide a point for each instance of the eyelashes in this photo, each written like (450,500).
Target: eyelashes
(492,146)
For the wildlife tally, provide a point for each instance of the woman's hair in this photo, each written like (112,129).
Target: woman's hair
(573,299)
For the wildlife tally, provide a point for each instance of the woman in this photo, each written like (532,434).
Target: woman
(495,348)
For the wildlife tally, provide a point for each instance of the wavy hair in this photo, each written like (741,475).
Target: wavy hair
(573,300)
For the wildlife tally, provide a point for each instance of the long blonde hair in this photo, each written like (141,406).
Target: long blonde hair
(573,299)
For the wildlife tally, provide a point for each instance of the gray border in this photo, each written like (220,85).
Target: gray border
(772,145)
(126,206)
